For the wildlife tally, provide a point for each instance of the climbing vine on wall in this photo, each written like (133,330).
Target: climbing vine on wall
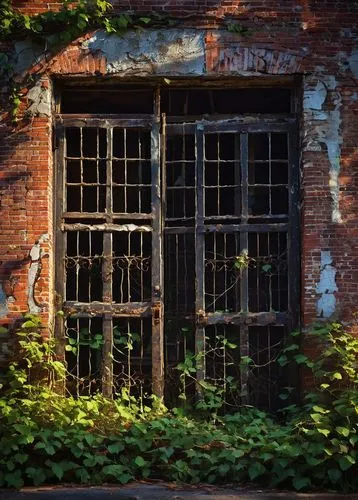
(54,29)
(71,21)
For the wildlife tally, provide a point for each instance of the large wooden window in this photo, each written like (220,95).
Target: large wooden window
(177,226)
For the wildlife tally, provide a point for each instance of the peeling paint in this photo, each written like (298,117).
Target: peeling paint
(40,97)
(3,303)
(327,132)
(36,255)
(326,304)
(152,52)
(353,62)
(314,99)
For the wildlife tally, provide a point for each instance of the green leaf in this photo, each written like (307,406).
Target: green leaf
(125,478)
(345,462)
(245,360)
(83,475)
(292,347)
(336,376)
(140,462)
(301,482)
(282,360)
(145,20)
(255,470)
(266,456)
(37,475)
(324,386)
(300,359)
(224,469)
(343,431)
(57,470)
(14,479)
(20,458)
(334,475)
(28,324)
(325,432)
(317,417)
(3,330)
(114,470)
(319,409)
(115,447)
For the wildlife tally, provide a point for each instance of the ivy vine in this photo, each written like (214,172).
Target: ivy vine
(63,26)
(55,29)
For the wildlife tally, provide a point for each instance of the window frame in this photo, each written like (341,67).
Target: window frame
(159,125)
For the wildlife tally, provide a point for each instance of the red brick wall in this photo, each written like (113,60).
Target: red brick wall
(318,36)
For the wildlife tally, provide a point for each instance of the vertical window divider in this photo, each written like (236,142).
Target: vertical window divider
(157,260)
(199,257)
(244,244)
(107,349)
(293,247)
(60,246)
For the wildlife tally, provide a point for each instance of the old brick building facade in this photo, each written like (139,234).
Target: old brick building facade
(273,100)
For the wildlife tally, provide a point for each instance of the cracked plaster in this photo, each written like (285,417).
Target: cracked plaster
(353,62)
(40,97)
(325,129)
(326,304)
(169,52)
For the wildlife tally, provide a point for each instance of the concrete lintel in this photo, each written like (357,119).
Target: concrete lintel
(152,52)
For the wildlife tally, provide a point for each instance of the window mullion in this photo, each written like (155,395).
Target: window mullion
(107,362)
(199,256)
(157,268)
(244,330)
(60,243)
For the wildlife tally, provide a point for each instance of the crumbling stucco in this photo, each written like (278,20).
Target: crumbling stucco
(313,99)
(40,98)
(159,52)
(4,310)
(326,304)
(353,62)
(324,127)
(36,255)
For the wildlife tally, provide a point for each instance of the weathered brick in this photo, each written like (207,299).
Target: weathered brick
(314,40)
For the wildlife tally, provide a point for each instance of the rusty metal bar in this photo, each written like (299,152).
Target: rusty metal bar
(103,121)
(135,309)
(60,246)
(293,249)
(244,331)
(229,228)
(237,124)
(101,215)
(107,268)
(129,228)
(199,257)
(242,318)
(293,232)
(157,272)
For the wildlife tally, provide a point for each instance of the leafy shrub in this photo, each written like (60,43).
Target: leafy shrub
(46,437)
